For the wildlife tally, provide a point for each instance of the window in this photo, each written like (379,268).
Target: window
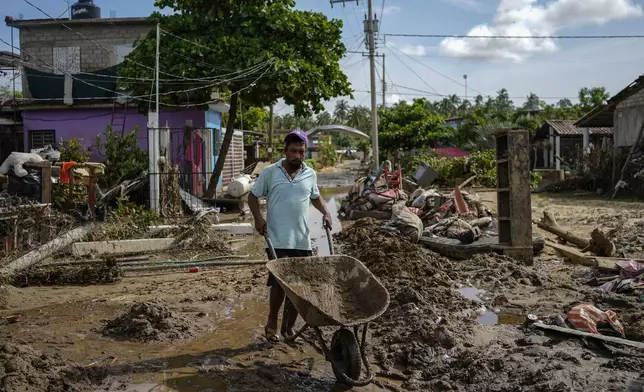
(39,139)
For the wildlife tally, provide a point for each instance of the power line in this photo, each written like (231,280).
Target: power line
(138,98)
(516,36)
(99,45)
(415,73)
(435,71)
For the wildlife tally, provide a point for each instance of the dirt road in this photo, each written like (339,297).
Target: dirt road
(436,335)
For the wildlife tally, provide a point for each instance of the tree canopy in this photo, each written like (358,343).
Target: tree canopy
(261,50)
(411,126)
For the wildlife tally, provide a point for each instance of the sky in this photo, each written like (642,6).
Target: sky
(435,67)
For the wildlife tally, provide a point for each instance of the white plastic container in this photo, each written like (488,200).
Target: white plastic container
(240,186)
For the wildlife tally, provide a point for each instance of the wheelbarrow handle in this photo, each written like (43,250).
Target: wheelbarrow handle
(269,245)
(329,238)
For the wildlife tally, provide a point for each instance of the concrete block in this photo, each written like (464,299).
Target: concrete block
(235,228)
(121,247)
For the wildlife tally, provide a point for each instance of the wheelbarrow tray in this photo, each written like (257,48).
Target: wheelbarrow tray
(331,290)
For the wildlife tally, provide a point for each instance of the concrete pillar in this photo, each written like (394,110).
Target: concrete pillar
(545,158)
(551,161)
(558,152)
(586,133)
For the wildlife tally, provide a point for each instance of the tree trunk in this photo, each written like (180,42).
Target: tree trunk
(549,224)
(47,250)
(225,145)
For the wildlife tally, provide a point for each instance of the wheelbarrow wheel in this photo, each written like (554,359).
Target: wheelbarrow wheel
(345,355)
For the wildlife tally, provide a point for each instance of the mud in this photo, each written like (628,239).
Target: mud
(430,332)
(97,273)
(24,369)
(147,321)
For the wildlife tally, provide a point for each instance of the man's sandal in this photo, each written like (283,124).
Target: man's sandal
(272,335)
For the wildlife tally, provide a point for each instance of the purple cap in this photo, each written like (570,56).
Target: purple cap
(297,135)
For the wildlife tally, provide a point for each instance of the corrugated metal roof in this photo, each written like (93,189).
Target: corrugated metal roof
(602,115)
(568,128)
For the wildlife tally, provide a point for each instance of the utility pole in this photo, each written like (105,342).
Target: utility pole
(153,135)
(384,84)
(465,78)
(371,27)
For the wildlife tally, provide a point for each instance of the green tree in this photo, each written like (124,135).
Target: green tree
(591,97)
(280,50)
(341,111)
(324,118)
(411,126)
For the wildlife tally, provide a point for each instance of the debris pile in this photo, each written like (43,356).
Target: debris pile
(430,332)
(24,369)
(197,234)
(425,212)
(82,274)
(148,321)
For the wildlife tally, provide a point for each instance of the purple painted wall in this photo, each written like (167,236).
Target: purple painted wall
(87,123)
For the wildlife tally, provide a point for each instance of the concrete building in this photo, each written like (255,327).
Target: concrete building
(70,87)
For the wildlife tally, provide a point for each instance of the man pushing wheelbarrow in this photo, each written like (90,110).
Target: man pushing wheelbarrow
(289,186)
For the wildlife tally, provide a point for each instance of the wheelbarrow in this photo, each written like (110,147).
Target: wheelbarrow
(334,291)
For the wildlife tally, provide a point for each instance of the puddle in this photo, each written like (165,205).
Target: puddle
(472,293)
(333,198)
(488,317)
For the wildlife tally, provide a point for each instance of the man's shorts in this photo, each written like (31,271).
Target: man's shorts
(285,254)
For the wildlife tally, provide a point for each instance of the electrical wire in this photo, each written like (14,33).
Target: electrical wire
(415,73)
(139,98)
(433,70)
(101,46)
(516,36)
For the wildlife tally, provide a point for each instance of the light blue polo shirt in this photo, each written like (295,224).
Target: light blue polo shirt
(287,204)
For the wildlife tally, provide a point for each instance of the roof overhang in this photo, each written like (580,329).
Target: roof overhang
(338,129)
(20,23)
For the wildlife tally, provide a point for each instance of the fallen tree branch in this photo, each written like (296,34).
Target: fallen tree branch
(549,224)
(46,250)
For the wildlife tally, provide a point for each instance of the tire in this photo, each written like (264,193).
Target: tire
(345,355)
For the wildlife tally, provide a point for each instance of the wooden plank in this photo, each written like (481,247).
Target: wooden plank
(570,331)
(45,181)
(574,254)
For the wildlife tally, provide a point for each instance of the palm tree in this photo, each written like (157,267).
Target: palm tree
(341,111)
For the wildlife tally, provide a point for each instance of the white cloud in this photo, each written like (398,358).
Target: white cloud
(392,9)
(528,18)
(394,99)
(412,50)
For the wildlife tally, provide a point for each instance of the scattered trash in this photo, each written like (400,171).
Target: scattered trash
(587,318)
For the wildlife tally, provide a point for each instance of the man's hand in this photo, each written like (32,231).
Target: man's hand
(327,221)
(260,225)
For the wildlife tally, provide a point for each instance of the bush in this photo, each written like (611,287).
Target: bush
(482,163)
(311,163)
(73,150)
(327,157)
(123,157)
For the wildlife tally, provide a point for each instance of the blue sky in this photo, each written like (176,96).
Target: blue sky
(551,69)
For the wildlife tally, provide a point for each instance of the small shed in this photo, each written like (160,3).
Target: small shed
(564,139)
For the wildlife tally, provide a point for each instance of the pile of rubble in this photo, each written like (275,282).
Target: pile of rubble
(148,321)
(24,369)
(431,338)
(457,215)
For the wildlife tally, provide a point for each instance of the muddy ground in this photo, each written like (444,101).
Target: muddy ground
(451,325)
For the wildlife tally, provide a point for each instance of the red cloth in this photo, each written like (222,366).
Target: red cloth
(65,168)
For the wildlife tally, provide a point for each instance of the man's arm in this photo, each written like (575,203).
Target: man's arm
(260,222)
(320,205)
(259,189)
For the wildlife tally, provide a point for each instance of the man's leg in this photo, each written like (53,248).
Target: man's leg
(275,303)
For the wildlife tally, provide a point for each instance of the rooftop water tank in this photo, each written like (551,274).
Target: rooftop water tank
(86,9)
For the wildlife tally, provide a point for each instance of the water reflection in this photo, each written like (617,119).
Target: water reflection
(333,198)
